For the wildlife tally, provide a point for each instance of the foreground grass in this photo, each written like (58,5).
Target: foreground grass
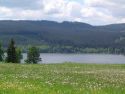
(62,79)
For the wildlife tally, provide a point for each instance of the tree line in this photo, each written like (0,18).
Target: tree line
(13,54)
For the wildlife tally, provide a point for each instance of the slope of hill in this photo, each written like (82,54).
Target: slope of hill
(66,34)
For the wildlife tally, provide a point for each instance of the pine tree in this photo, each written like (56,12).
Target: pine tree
(33,55)
(18,55)
(1,53)
(11,52)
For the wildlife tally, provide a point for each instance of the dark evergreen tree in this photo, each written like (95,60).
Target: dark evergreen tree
(1,53)
(11,53)
(33,55)
(18,55)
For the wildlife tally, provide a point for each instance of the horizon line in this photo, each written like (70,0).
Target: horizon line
(63,22)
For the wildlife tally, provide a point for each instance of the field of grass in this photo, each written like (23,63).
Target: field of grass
(62,79)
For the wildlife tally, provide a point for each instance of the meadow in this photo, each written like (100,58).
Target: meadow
(66,78)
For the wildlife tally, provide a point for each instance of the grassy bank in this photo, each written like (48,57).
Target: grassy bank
(62,79)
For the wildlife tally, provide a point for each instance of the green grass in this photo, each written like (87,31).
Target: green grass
(64,78)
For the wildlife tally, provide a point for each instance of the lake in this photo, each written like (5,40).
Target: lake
(48,58)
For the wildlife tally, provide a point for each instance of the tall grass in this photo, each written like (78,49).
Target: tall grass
(64,78)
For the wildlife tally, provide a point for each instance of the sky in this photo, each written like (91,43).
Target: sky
(95,12)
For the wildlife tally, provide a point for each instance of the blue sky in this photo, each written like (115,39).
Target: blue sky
(95,12)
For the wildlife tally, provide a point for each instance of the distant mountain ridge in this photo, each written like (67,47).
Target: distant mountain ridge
(64,33)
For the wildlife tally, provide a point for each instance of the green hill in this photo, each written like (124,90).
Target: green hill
(73,34)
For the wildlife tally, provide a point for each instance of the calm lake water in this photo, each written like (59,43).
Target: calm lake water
(81,58)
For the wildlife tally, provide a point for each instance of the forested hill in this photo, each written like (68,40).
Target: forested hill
(65,34)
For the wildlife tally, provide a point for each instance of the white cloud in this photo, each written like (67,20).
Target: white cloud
(104,11)
(5,13)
